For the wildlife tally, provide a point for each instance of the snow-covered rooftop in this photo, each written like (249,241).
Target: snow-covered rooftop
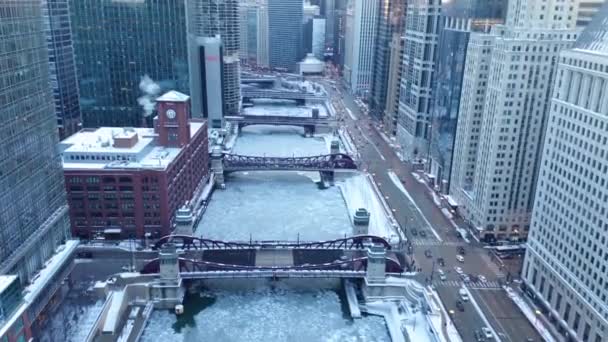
(5,281)
(173,96)
(98,149)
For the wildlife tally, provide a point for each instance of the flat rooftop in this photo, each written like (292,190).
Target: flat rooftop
(96,149)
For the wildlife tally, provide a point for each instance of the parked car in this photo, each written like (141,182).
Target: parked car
(479,336)
(423,233)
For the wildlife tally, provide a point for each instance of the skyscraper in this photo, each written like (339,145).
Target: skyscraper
(33,209)
(62,67)
(360,36)
(459,18)
(116,44)
(208,19)
(253,33)
(502,118)
(328,11)
(566,258)
(391,16)
(421,36)
(284,33)
(395,70)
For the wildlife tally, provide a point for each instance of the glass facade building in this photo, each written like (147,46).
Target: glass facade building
(285,33)
(62,67)
(33,210)
(458,20)
(116,44)
(391,16)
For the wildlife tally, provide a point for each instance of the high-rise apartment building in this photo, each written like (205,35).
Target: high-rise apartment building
(458,19)
(566,258)
(285,19)
(339,33)
(208,19)
(421,37)
(395,70)
(117,44)
(318,37)
(391,16)
(360,37)
(33,208)
(62,67)
(328,11)
(503,115)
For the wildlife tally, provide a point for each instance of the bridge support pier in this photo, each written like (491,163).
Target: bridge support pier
(327,177)
(309,130)
(334,147)
(361,221)
(167,291)
(217,166)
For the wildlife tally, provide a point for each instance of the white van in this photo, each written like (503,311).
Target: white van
(464,295)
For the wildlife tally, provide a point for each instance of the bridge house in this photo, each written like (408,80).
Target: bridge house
(126,182)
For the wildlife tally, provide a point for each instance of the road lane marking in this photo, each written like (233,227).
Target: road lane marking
(350,113)
(397,182)
(371,143)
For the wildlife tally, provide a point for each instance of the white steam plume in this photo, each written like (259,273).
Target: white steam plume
(151,91)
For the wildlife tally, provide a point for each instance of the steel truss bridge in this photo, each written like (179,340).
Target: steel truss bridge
(329,162)
(359,243)
(200,269)
(280,120)
(248,94)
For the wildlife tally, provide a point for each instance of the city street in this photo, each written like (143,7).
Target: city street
(431,233)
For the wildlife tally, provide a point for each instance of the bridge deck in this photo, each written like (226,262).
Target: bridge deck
(273,274)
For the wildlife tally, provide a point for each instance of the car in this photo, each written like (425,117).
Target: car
(464,295)
(465,278)
(423,233)
(459,306)
(428,253)
(482,278)
(414,232)
(458,269)
(460,258)
(479,336)
(441,262)
(442,275)
(487,333)
(461,250)
(473,278)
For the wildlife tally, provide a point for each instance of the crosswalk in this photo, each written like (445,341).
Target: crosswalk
(434,242)
(472,285)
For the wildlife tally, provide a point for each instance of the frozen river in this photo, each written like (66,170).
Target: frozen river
(279,141)
(264,315)
(275,206)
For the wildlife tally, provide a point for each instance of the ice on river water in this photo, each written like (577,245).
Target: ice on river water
(266,315)
(278,141)
(275,206)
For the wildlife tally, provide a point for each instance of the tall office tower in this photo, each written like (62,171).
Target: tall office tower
(458,19)
(566,258)
(253,34)
(33,209)
(329,12)
(117,44)
(391,16)
(318,37)
(421,36)
(395,70)
(208,19)
(339,33)
(361,24)
(62,67)
(498,144)
(284,33)
(586,10)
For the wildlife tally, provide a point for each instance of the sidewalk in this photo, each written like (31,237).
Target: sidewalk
(538,321)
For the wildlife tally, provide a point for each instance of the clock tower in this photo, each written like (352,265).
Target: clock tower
(173,119)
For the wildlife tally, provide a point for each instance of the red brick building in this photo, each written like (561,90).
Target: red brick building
(130,181)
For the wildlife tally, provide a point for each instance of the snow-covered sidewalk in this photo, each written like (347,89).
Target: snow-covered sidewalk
(529,313)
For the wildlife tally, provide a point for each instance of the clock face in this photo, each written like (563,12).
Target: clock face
(170,114)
